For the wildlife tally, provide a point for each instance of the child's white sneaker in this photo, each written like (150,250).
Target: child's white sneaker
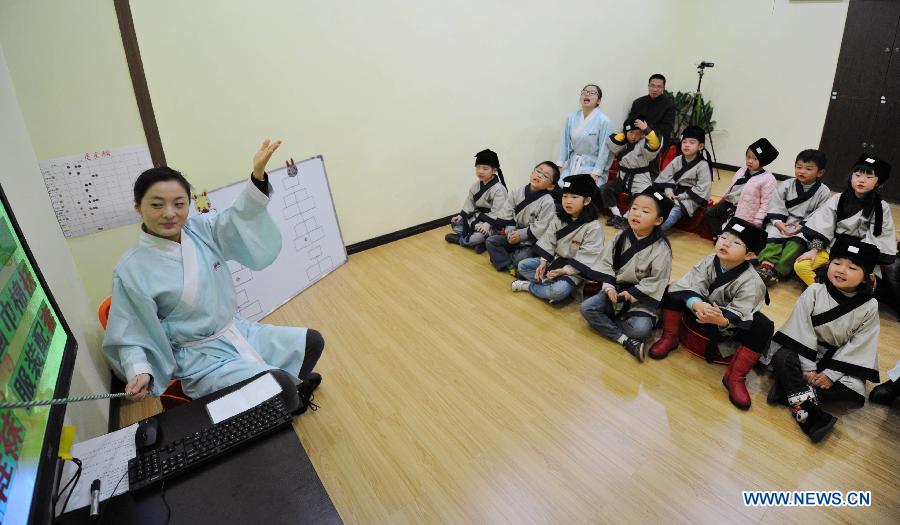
(520,286)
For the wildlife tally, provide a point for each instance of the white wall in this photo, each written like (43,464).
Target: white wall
(21,179)
(398,95)
(775,63)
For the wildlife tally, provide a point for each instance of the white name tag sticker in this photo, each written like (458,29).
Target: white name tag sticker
(566,184)
(759,150)
(870,160)
(737,227)
(657,195)
(852,249)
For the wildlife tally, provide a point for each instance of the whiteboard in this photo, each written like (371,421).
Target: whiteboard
(92,191)
(312,245)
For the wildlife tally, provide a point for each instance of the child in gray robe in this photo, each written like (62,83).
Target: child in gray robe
(687,180)
(724,294)
(828,348)
(634,269)
(858,212)
(569,251)
(480,215)
(524,218)
(635,146)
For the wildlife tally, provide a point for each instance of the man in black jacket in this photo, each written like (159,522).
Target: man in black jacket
(657,108)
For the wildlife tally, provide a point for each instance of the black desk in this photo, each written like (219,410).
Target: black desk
(268,482)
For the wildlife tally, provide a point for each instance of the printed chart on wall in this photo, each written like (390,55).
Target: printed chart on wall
(92,191)
(312,246)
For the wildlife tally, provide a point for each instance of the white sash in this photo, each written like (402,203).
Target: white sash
(233,336)
(191,273)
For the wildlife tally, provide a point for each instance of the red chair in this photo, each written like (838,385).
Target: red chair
(174,395)
(696,223)
(693,340)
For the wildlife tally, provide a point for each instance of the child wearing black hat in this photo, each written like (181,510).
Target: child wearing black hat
(750,191)
(687,180)
(635,146)
(828,347)
(724,294)
(569,251)
(480,215)
(634,269)
(525,216)
(858,212)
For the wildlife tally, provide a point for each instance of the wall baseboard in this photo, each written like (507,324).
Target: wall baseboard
(397,235)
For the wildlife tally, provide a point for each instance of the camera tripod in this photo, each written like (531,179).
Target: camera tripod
(695,115)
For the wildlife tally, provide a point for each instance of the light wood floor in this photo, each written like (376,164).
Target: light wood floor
(447,398)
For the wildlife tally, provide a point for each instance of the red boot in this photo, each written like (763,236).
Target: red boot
(741,363)
(671,321)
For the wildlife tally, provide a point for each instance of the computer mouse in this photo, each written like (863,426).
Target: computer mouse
(148,435)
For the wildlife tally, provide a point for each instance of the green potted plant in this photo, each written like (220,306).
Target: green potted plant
(692,110)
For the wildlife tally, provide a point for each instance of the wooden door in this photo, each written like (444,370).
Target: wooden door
(859,120)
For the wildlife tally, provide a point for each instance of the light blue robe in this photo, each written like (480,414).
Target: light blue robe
(583,149)
(174,313)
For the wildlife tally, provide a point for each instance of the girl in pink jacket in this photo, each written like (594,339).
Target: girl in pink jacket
(751,188)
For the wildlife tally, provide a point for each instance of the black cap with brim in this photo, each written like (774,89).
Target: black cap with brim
(487,158)
(861,253)
(872,163)
(764,150)
(583,185)
(753,237)
(663,203)
(694,132)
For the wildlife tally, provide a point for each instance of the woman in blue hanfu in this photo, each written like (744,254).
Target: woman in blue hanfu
(583,149)
(174,314)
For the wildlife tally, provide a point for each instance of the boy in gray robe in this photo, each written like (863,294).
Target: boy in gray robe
(635,146)
(793,201)
(481,210)
(724,294)
(525,216)
(828,348)
(569,251)
(634,269)
(687,180)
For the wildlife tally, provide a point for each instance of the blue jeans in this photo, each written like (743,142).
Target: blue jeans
(674,216)
(598,311)
(553,291)
(505,255)
(474,239)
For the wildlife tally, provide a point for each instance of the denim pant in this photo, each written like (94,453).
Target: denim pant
(598,311)
(505,255)
(474,239)
(553,291)
(674,216)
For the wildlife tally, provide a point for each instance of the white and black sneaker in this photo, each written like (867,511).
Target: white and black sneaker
(520,285)
(635,348)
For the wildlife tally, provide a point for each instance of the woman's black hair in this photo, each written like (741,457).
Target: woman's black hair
(154,175)
(599,91)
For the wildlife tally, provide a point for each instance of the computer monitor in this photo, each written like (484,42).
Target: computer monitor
(37,353)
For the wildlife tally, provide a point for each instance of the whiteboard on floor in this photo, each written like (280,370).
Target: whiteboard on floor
(312,246)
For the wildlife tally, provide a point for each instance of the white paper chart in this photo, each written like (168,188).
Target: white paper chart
(312,246)
(93,191)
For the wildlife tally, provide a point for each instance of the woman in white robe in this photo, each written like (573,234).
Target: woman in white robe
(583,149)
(173,311)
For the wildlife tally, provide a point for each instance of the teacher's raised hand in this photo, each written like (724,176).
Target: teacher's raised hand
(262,156)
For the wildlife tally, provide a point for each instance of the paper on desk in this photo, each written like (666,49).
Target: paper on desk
(248,396)
(105,458)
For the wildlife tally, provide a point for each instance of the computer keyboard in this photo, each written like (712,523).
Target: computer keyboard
(173,459)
